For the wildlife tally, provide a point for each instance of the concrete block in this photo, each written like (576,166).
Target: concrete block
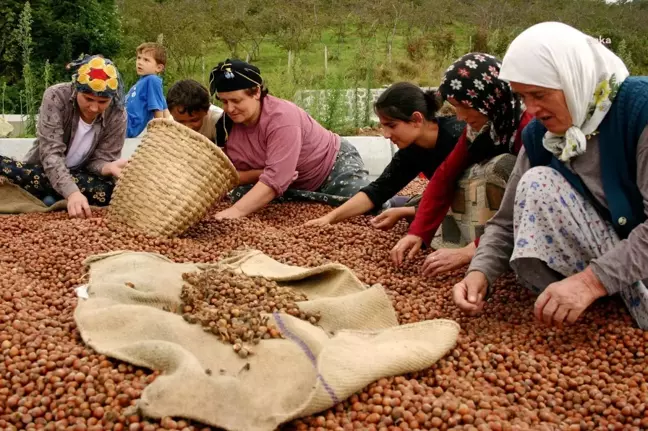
(376,151)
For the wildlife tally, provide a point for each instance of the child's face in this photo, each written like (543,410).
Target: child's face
(194,120)
(146,64)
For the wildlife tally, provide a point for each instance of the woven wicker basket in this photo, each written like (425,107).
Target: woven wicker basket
(173,178)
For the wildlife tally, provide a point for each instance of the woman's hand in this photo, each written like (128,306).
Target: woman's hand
(470,292)
(114,168)
(565,300)
(229,213)
(447,259)
(388,218)
(322,221)
(77,205)
(409,244)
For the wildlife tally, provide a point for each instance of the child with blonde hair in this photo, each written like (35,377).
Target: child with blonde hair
(145,100)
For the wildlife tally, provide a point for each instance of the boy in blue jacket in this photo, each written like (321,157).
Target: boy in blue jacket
(145,100)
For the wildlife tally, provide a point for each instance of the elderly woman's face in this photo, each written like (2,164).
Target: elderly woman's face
(240,106)
(547,105)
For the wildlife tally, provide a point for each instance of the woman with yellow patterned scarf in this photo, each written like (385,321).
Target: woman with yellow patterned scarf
(80,135)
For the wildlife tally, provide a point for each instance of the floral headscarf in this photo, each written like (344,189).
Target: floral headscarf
(557,56)
(473,80)
(99,76)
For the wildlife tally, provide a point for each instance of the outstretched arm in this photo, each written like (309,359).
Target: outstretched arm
(258,197)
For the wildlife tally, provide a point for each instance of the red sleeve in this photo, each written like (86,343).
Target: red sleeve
(524,120)
(439,192)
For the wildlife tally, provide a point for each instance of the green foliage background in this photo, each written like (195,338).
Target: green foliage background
(367,43)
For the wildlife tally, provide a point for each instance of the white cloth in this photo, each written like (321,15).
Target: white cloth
(81,144)
(557,56)
(208,128)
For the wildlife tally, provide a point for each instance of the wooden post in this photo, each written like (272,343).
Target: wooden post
(202,65)
(325,59)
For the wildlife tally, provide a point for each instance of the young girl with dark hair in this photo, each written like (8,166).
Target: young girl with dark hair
(409,118)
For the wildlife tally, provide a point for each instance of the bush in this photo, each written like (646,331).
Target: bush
(407,69)
(443,42)
(480,40)
(417,47)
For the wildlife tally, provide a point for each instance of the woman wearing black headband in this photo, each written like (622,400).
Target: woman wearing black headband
(277,148)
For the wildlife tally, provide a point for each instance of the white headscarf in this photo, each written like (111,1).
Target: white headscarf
(557,56)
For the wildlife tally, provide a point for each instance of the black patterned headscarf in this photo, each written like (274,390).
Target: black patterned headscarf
(473,81)
(231,75)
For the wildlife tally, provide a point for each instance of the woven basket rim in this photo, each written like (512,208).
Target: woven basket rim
(210,175)
(180,128)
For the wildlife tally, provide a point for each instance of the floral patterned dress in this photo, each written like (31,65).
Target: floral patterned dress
(347,177)
(555,224)
(33,179)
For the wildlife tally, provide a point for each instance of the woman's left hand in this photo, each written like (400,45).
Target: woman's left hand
(565,300)
(114,168)
(229,213)
(388,218)
(447,259)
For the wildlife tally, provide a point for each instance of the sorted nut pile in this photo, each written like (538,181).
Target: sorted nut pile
(234,307)
(506,372)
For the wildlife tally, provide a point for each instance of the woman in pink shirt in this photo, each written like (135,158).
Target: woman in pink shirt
(277,148)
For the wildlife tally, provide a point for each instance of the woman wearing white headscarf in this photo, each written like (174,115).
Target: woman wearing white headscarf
(572,223)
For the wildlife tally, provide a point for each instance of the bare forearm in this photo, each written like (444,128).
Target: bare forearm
(408,212)
(249,177)
(357,205)
(258,197)
(158,114)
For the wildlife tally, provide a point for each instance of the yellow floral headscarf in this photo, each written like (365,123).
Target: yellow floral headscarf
(99,76)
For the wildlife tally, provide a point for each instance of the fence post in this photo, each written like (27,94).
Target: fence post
(325,59)
(289,60)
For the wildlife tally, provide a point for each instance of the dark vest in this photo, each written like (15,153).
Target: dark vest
(619,134)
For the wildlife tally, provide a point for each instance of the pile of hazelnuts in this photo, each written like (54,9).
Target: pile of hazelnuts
(506,372)
(236,308)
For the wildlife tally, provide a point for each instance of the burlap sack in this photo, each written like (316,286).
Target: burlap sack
(15,200)
(312,369)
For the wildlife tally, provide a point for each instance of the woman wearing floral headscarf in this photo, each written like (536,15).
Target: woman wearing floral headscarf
(495,118)
(572,223)
(80,135)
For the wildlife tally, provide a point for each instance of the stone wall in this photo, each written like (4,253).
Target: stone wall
(376,151)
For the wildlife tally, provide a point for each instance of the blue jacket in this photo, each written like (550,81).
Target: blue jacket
(619,134)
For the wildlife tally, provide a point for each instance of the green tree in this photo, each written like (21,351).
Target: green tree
(60,31)
(23,35)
